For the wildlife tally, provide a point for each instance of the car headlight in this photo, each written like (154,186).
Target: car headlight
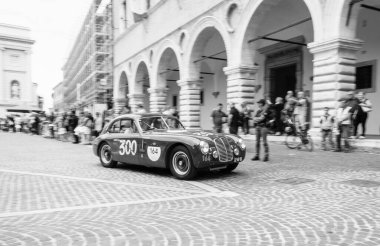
(241,143)
(236,151)
(204,147)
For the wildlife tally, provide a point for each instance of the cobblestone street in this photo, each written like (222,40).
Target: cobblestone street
(57,193)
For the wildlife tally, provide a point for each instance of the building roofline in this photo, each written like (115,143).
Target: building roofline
(15,26)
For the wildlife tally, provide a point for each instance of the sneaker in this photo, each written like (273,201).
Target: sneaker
(266,158)
(256,158)
(337,150)
(361,137)
(352,137)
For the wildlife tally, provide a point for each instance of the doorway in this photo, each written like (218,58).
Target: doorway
(282,79)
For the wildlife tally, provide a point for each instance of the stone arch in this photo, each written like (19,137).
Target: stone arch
(336,22)
(192,48)
(166,50)
(137,62)
(206,55)
(142,85)
(256,11)
(123,85)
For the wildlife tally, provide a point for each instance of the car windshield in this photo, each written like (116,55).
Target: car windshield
(157,123)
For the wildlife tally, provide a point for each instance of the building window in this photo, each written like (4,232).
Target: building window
(202,97)
(175,101)
(15,89)
(365,76)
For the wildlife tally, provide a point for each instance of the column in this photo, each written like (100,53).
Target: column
(134,100)
(241,84)
(119,103)
(157,99)
(334,73)
(190,103)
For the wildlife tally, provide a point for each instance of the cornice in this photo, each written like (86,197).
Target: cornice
(16,39)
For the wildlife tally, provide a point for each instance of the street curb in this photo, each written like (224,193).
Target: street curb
(365,144)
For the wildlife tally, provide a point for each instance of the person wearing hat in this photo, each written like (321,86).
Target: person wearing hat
(261,120)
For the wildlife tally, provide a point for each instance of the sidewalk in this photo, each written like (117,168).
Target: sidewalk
(372,142)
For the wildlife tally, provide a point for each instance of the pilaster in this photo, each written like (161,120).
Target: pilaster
(190,102)
(241,84)
(119,104)
(157,99)
(334,72)
(2,89)
(134,100)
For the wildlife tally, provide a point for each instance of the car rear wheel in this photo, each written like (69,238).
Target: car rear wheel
(181,165)
(105,156)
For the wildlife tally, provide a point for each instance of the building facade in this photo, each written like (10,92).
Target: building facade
(88,70)
(58,98)
(17,91)
(196,54)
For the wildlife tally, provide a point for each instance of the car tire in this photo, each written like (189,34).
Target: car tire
(181,164)
(105,156)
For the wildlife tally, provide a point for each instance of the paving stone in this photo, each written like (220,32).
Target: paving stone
(318,207)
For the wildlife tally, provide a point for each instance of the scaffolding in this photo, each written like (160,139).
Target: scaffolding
(88,70)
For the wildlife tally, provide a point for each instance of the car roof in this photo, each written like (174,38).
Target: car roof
(139,115)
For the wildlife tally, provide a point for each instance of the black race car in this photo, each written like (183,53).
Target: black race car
(161,141)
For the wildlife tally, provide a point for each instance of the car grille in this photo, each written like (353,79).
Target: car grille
(224,149)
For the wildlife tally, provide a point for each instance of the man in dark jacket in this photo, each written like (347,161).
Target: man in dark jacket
(73,123)
(261,120)
(218,118)
(234,118)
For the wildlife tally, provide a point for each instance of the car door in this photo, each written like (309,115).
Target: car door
(153,146)
(129,142)
(113,139)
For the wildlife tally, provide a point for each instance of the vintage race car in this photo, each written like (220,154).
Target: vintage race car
(161,141)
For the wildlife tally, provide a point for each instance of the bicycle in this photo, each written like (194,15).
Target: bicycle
(296,139)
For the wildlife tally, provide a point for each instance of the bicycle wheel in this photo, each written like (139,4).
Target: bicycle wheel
(292,141)
(309,145)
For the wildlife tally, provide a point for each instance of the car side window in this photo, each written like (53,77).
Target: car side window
(115,127)
(128,126)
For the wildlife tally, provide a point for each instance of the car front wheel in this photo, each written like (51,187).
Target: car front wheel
(105,156)
(181,165)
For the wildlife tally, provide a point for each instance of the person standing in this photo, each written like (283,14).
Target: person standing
(125,110)
(364,108)
(88,124)
(343,124)
(234,118)
(218,118)
(327,124)
(290,104)
(261,120)
(247,115)
(98,124)
(73,123)
(278,108)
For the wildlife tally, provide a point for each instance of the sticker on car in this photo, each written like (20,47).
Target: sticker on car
(154,153)
(128,147)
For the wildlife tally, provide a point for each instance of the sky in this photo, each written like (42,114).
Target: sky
(54,26)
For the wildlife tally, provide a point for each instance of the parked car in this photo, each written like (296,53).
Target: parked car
(157,140)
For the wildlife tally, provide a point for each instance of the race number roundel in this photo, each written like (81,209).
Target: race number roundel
(154,153)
